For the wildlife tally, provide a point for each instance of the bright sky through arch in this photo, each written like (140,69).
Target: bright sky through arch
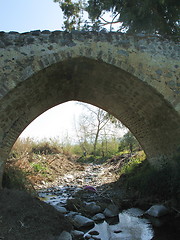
(57,122)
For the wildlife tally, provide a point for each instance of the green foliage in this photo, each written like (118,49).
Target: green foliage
(103,149)
(92,159)
(150,16)
(129,142)
(148,181)
(133,163)
(72,13)
(16,178)
(135,16)
(39,167)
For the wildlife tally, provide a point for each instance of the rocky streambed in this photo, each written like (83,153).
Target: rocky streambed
(94,217)
(98,212)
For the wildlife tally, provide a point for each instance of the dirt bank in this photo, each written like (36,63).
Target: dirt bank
(25,218)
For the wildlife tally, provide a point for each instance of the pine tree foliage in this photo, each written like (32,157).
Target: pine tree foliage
(133,16)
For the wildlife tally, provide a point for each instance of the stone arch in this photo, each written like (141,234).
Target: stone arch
(140,107)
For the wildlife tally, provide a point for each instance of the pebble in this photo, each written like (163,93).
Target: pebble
(60,209)
(88,236)
(98,216)
(93,233)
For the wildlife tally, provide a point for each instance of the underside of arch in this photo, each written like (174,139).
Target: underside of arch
(141,108)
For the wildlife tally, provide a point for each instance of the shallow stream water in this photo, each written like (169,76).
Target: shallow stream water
(130,224)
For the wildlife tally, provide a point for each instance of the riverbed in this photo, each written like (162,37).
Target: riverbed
(129,224)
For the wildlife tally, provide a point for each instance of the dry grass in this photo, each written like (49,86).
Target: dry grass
(31,163)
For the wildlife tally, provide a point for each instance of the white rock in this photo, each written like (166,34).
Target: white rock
(65,236)
(157,211)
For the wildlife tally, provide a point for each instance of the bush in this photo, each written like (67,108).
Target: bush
(133,163)
(44,148)
(149,181)
(21,147)
(16,178)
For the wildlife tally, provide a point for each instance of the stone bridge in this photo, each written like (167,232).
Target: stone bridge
(135,78)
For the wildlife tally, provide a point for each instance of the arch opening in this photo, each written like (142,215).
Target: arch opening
(137,105)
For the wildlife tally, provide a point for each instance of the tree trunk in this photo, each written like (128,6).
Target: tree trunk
(95,141)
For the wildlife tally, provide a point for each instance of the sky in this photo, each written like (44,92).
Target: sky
(58,122)
(29,15)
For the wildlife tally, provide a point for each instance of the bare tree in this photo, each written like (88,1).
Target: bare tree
(94,124)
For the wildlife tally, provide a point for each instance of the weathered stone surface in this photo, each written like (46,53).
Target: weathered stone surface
(135,78)
(81,221)
(92,208)
(157,211)
(111,211)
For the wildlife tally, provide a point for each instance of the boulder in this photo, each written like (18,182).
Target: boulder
(157,211)
(111,211)
(81,221)
(92,207)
